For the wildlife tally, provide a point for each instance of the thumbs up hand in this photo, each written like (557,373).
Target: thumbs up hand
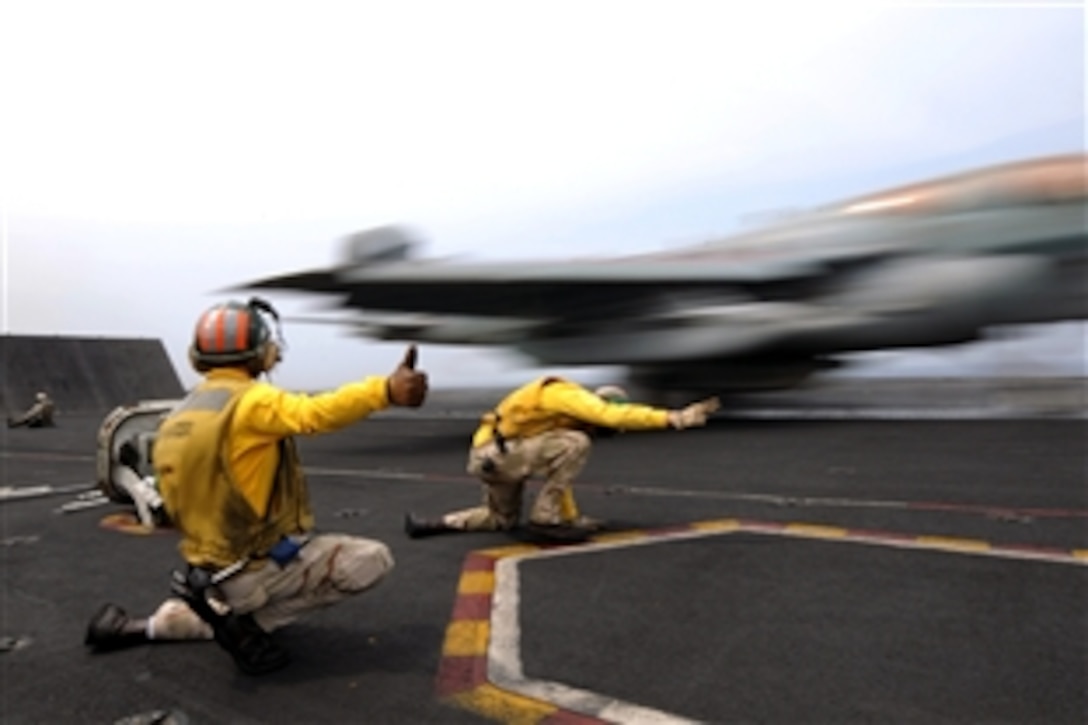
(407,387)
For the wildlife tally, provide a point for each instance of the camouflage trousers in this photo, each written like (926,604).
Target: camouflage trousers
(557,455)
(328,569)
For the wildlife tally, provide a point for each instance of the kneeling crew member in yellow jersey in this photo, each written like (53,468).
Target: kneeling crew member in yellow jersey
(545,428)
(232,485)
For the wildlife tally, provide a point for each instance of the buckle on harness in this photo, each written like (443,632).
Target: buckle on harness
(496,434)
(286,549)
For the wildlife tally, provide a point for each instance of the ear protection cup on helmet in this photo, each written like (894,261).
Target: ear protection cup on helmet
(270,356)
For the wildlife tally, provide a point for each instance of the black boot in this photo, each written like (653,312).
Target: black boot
(253,649)
(111,628)
(417,528)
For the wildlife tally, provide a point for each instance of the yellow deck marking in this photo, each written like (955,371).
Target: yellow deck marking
(476,582)
(619,536)
(817,530)
(502,552)
(947,542)
(467,638)
(718,525)
(504,706)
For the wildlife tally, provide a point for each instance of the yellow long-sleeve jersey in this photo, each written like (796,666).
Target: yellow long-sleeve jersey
(553,403)
(266,414)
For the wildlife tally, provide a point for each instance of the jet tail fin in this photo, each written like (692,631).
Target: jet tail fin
(376,246)
(379,245)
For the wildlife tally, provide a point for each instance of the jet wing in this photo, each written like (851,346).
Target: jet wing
(533,288)
(923,265)
(525,289)
(396,297)
(318,280)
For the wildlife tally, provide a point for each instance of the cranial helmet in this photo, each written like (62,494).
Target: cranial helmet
(234,333)
(612,393)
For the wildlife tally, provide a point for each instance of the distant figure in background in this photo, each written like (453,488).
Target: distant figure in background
(546,428)
(40,415)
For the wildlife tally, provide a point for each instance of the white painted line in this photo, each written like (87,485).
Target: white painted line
(504,664)
(16,493)
(80,505)
(504,667)
(504,649)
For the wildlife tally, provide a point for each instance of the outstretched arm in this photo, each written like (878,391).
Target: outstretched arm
(270,411)
(577,402)
(267,414)
(275,413)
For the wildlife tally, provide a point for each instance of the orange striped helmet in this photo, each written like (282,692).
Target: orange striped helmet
(231,333)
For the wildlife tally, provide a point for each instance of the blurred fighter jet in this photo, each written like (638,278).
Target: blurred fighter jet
(931,263)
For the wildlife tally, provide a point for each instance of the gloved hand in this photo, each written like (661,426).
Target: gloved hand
(407,387)
(693,415)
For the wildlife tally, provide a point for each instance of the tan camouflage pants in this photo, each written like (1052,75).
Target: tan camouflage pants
(328,569)
(557,455)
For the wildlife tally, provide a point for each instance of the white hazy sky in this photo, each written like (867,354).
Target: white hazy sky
(153,153)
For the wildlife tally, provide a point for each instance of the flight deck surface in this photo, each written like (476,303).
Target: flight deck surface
(783,569)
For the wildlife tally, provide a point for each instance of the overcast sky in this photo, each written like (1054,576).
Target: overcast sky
(154,153)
